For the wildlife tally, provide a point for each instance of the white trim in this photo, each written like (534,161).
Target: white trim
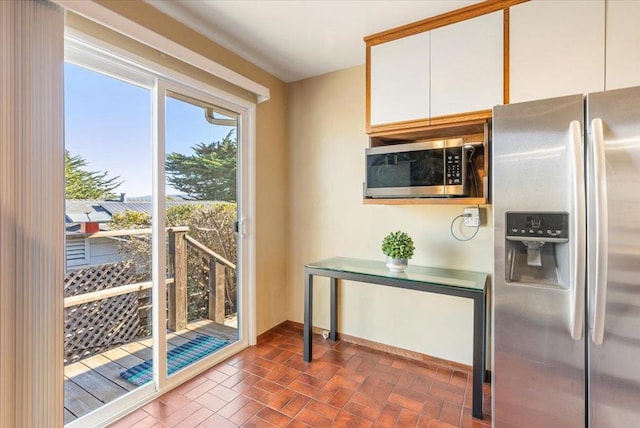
(123,56)
(82,53)
(248,181)
(131,29)
(159,240)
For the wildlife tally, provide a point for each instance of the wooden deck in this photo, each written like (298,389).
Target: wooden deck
(95,381)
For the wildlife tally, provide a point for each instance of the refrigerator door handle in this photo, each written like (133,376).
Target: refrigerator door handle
(601,230)
(579,230)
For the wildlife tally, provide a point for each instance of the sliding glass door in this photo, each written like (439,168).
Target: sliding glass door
(201,178)
(107,284)
(157,264)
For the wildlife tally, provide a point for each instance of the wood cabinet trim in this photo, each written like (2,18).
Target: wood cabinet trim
(505,56)
(429,123)
(448,18)
(367,100)
(426,132)
(426,201)
(398,126)
(462,117)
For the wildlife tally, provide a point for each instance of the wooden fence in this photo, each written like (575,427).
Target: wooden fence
(108,305)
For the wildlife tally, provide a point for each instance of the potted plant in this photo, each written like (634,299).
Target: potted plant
(398,247)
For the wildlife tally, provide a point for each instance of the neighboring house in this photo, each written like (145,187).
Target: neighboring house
(85,217)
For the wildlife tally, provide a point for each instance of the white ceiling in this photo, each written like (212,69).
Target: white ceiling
(294,40)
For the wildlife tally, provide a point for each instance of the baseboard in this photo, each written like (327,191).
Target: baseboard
(373,345)
(266,334)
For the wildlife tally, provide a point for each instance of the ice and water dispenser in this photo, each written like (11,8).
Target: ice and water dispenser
(537,248)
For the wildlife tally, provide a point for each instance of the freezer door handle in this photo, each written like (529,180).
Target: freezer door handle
(601,230)
(579,230)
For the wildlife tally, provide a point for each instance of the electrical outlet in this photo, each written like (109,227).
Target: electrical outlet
(471,216)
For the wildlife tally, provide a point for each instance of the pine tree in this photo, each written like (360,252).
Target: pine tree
(83,184)
(209,173)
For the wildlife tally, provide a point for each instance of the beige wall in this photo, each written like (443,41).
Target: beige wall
(327,218)
(271,153)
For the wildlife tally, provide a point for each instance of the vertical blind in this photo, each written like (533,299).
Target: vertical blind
(31,213)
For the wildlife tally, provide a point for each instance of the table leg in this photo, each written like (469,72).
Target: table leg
(308,316)
(478,354)
(333,332)
(484,340)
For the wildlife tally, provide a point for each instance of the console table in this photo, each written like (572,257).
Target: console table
(471,285)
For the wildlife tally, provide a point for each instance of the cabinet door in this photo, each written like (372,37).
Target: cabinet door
(400,80)
(623,44)
(556,48)
(467,65)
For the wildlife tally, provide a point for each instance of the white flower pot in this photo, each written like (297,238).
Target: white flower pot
(396,265)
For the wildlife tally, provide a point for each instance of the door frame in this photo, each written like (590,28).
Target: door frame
(165,79)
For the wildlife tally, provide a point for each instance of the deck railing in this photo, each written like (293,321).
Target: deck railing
(219,268)
(179,240)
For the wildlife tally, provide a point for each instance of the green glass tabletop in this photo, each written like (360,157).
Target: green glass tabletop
(447,277)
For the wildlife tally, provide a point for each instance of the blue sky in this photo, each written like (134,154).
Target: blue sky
(108,123)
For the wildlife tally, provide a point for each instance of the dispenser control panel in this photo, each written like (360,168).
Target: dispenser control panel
(537,226)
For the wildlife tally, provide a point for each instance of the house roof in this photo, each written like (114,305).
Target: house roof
(81,211)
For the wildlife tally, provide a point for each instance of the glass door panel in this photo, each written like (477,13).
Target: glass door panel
(201,148)
(107,284)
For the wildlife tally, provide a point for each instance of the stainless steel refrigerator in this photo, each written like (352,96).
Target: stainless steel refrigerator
(566,284)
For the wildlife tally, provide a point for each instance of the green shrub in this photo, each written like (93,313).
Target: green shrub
(398,245)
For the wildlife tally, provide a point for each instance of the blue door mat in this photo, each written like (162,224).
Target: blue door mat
(177,358)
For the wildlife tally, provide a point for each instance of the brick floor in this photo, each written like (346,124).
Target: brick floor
(346,385)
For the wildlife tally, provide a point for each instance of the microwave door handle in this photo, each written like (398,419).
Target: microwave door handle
(578,261)
(601,231)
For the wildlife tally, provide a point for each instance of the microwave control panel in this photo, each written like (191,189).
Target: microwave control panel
(454,162)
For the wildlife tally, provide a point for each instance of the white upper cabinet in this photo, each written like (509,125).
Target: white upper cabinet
(623,44)
(400,80)
(467,65)
(556,48)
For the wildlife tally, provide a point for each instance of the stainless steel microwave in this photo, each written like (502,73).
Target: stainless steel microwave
(420,169)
